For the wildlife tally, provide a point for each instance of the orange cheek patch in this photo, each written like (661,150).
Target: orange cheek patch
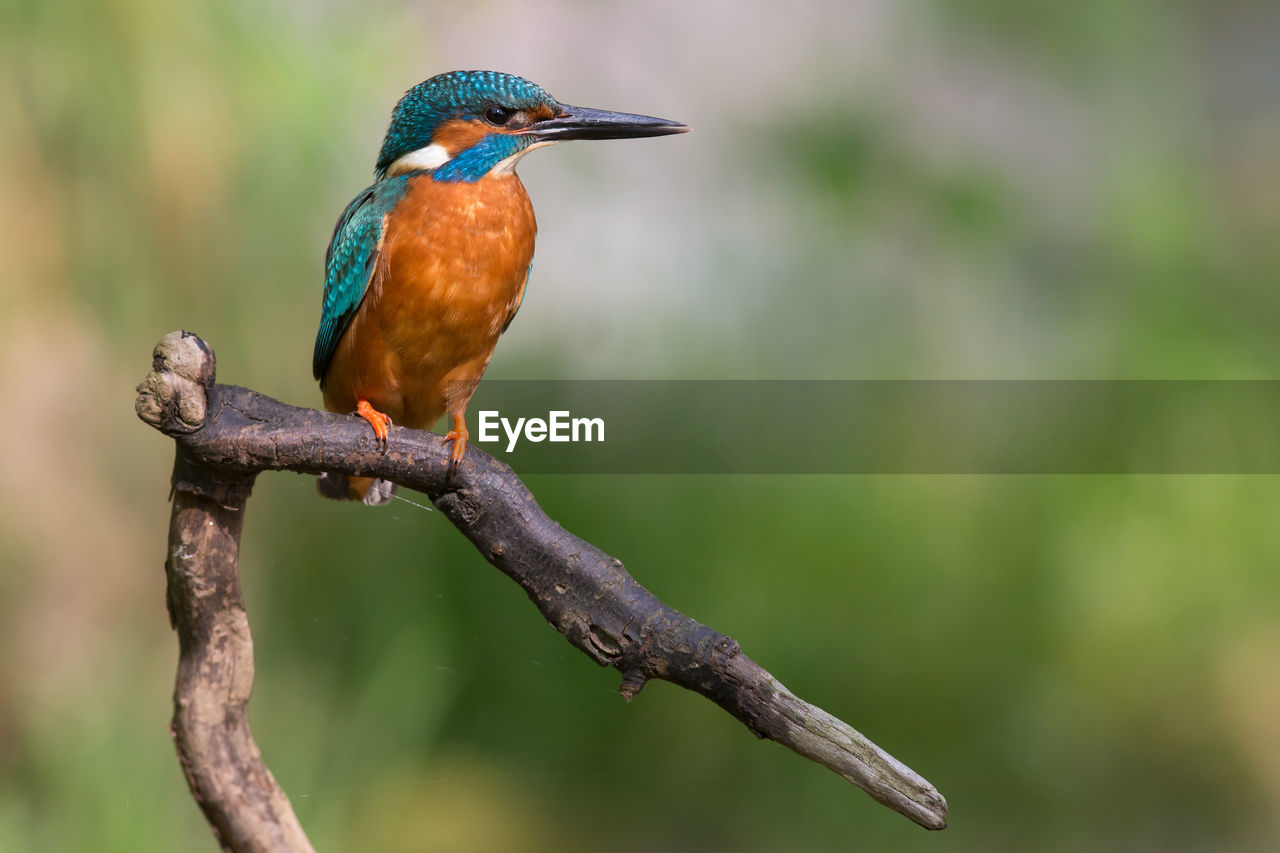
(540,112)
(459,134)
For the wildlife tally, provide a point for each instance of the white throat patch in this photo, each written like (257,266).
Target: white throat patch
(428,157)
(507,166)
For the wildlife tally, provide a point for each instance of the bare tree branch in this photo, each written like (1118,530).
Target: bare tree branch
(225,435)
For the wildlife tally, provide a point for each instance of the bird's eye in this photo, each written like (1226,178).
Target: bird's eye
(497,115)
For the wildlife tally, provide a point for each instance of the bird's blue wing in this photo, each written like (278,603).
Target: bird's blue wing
(349,264)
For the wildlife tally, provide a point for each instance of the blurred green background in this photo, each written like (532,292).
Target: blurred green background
(874,189)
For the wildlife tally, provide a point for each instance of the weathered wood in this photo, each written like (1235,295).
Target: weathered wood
(232,433)
(237,793)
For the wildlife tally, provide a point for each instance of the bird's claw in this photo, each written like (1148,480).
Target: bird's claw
(458,435)
(378,420)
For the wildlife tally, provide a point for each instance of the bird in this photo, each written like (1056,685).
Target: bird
(429,264)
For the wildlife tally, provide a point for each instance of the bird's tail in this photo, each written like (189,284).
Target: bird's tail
(343,487)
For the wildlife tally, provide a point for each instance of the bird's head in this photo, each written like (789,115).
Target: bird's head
(464,125)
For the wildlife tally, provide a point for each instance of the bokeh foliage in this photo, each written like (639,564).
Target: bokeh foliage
(931,189)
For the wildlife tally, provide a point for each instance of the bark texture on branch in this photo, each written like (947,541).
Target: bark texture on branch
(226,435)
(237,793)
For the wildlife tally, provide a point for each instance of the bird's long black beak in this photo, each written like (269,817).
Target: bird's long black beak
(586,123)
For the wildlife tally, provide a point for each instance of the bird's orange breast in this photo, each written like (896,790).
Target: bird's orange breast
(450,273)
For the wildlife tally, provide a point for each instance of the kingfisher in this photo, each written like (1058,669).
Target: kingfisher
(429,264)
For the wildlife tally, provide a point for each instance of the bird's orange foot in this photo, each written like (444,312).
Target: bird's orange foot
(377,420)
(458,435)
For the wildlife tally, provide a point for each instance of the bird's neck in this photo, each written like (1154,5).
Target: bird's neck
(465,151)
(500,197)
